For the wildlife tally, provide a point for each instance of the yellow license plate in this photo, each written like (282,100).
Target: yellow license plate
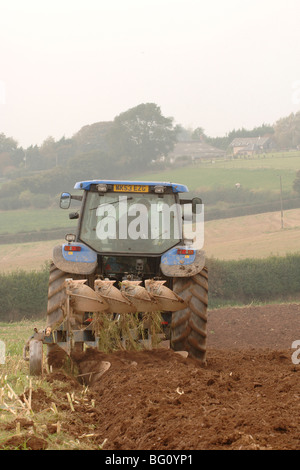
(131,188)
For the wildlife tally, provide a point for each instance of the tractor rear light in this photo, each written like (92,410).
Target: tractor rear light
(102,188)
(72,248)
(185,252)
(70,237)
(159,189)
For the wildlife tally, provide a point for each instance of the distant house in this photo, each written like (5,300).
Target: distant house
(194,151)
(251,145)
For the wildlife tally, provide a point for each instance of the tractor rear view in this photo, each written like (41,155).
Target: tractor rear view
(136,250)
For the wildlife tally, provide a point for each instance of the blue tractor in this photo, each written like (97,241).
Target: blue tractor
(133,251)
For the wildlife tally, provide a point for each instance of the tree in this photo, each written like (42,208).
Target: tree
(7,144)
(57,153)
(92,137)
(48,152)
(198,134)
(141,134)
(5,162)
(8,147)
(34,160)
(92,165)
(287,131)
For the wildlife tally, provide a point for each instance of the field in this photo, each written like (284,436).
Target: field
(256,174)
(29,220)
(26,256)
(214,178)
(245,398)
(256,236)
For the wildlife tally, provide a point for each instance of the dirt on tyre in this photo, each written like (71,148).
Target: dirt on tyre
(189,326)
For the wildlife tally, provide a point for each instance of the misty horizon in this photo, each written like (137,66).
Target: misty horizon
(217,65)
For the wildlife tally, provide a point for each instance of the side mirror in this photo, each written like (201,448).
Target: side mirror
(196,201)
(65,201)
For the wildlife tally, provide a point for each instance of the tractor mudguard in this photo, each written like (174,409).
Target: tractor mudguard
(173,265)
(82,262)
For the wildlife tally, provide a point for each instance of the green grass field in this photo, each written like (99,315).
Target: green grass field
(14,335)
(276,163)
(27,220)
(258,174)
(198,177)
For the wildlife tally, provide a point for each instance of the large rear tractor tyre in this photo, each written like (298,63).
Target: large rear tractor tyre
(189,326)
(56,298)
(56,295)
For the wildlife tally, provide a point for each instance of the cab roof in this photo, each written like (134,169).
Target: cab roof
(86,185)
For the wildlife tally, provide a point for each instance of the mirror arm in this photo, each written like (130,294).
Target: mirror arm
(185,201)
(74,215)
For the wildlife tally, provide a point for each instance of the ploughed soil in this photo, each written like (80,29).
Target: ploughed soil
(246,397)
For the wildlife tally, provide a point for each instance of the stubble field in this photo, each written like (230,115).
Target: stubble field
(245,398)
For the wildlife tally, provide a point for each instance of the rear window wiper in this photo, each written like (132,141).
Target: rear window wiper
(107,203)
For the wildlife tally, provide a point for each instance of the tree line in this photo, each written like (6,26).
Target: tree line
(285,133)
(117,149)
(113,149)
(135,137)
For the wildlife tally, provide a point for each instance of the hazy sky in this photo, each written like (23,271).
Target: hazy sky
(217,64)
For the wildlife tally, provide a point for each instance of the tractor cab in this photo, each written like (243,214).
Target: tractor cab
(134,219)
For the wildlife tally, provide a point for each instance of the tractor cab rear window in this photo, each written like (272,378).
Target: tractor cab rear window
(131,223)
